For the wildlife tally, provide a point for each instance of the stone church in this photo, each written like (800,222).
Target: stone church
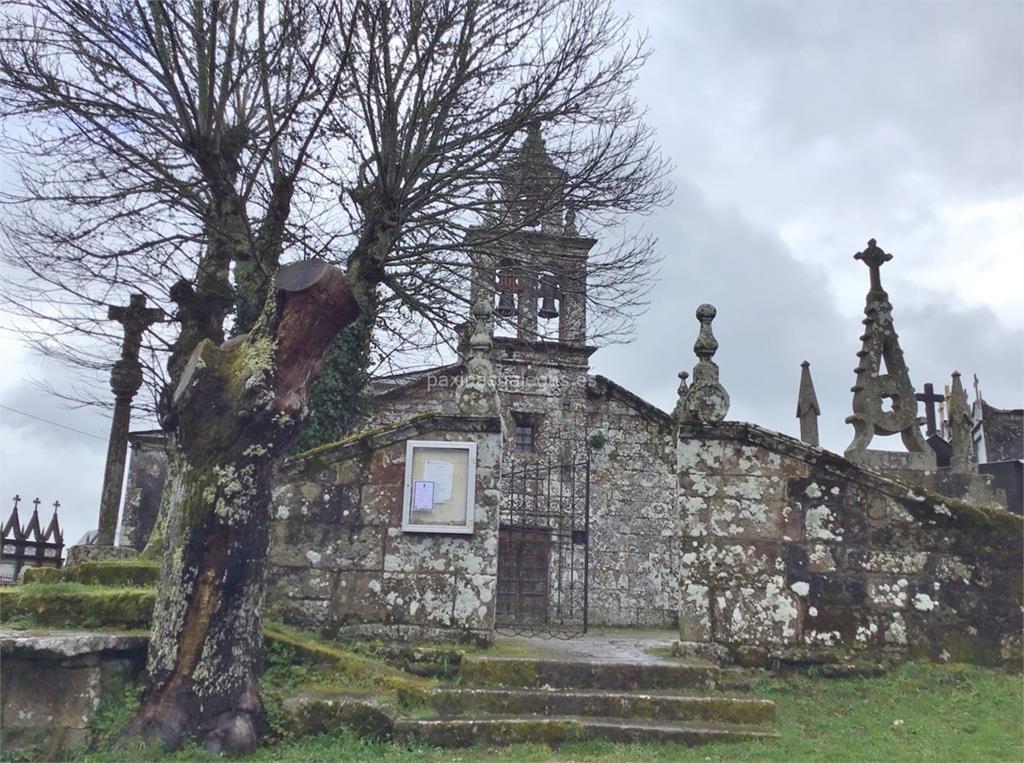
(516,491)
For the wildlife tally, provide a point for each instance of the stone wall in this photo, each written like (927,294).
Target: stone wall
(634,573)
(146,476)
(634,517)
(790,550)
(54,682)
(340,562)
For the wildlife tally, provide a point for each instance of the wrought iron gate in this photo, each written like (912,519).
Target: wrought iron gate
(543,549)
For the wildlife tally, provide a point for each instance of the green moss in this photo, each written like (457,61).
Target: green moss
(324,667)
(975,515)
(132,572)
(361,434)
(498,672)
(77,605)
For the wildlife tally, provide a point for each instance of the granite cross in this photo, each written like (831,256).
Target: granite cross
(125,380)
(929,398)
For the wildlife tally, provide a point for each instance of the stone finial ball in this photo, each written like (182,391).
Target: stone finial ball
(482,308)
(706,312)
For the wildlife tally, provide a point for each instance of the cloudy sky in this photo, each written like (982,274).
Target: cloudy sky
(798,131)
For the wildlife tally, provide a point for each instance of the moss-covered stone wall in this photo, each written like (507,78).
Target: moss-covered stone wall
(339,560)
(789,550)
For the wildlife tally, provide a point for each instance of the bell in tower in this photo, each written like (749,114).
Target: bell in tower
(506,294)
(548,295)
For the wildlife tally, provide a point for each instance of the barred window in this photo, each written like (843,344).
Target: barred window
(524,438)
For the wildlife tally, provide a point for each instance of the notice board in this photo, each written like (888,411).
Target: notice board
(440,478)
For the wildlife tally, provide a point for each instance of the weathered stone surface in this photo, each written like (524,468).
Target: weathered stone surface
(339,558)
(53,682)
(859,561)
(601,703)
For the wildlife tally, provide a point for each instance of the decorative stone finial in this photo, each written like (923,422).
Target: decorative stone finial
(570,222)
(678,411)
(807,408)
(476,394)
(872,388)
(961,441)
(706,400)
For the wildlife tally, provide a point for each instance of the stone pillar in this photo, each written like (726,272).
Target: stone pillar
(960,431)
(572,308)
(125,380)
(147,472)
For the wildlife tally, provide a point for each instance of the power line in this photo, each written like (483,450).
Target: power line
(52,423)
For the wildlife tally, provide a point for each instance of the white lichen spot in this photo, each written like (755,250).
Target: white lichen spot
(812,611)
(801,588)
(819,524)
(813,491)
(897,631)
(924,602)
(313,556)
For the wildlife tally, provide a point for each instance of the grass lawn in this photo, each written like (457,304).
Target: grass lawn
(918,712)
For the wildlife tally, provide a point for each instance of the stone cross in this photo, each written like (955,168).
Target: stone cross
(807,408)
(961,439)
(930,398)
(706,400)
(873,387)
(125,380)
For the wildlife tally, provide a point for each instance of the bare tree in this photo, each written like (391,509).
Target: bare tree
(157,145)
(377,134)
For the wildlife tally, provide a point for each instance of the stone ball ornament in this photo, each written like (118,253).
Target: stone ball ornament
(705,400)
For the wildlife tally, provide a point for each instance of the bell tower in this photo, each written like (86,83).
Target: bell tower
(536,274)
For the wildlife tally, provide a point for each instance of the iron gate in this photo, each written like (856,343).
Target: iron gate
(543,549)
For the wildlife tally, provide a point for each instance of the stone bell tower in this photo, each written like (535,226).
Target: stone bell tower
(535,275)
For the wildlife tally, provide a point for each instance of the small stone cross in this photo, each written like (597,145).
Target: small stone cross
(56,505)
(930,398)
(36,503)
(17,500)
(874,257)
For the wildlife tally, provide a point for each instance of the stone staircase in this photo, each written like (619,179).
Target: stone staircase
(509,700)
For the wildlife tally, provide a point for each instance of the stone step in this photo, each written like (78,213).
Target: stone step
(531,673)
(576,702)
(123,573)
(77,605)
(555,730)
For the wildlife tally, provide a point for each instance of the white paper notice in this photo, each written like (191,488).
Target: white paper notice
(422,496)
(441,474)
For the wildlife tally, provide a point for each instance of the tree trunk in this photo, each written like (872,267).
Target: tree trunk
(238,407)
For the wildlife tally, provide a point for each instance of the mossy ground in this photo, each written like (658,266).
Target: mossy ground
(918,712)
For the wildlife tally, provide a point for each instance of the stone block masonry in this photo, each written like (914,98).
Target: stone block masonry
(340,562)
(53,683)
(787,550)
